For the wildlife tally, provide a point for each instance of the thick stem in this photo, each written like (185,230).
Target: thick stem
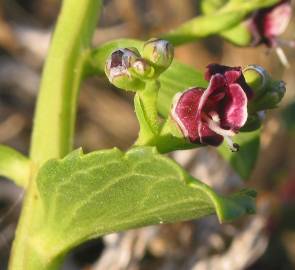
(56,106)
(55,119)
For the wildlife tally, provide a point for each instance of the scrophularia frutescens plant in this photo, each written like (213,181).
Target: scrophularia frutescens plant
(72,197)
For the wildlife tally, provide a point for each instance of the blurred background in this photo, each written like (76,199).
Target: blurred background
(262,241)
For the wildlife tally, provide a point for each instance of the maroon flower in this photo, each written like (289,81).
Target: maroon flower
(268,23)
(207,116)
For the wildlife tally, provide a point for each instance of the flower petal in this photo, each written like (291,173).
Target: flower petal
(210,101)
(235,111)
(213,92)
(277,20)
(232,75)
(185,112)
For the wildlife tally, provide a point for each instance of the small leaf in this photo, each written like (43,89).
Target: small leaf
(85,196)
(14,166)
(244,160)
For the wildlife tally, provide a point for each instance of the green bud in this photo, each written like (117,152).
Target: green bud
(159,53)
(127,70)
(254,121)
(270,99)
(257,78)
(142,69)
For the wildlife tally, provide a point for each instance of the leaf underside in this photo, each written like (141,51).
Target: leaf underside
(85,196)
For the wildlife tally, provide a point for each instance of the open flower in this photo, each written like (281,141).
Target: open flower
(264,26)
(268,23)
(208,116)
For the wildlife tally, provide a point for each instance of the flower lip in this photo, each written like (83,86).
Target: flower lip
(116,59)
(208,116)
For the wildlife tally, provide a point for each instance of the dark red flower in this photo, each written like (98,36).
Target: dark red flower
(268,23)
(207,116)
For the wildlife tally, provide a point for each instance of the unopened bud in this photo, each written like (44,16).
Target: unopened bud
(142,69)
(254,121)
(126,69)
(257,78)
(159,52)
(270,99)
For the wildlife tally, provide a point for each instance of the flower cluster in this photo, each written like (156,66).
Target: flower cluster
(127,69)
(234,100)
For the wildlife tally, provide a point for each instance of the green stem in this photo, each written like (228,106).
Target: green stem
(14,166)
(203,26)
(56,106)
(55,119)
(145,103)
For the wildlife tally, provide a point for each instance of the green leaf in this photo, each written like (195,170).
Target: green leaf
(14,166)
(85,196)
(244,160)
(210,6)
(239,35)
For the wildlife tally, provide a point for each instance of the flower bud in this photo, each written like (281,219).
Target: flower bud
(270,99)
(126,69)
(159,52)
(254,121)
(257,78)
(142,69)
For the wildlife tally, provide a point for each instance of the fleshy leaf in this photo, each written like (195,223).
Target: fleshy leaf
(244,160)
(87,195)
